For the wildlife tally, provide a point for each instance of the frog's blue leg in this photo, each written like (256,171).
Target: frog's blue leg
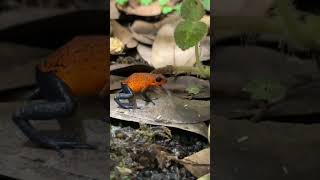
(126,93)
(59,103)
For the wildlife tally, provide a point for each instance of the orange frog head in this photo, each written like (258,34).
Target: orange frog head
(158,80)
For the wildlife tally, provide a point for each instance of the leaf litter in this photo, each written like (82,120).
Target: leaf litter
(185,107)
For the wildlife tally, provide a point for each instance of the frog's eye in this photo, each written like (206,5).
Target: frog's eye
(158,79)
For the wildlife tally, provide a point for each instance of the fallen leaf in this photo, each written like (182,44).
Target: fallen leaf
(114,12)
(166,52)
(179,85)
(205,49)
(123,171)
(205,177)
(170,19)
(128,69)
(123,34)
(143,31)
(198,164)
(116,46)
(180,113)
(145,52)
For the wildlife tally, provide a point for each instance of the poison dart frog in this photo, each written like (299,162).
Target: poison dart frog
(138,83)
(79,68)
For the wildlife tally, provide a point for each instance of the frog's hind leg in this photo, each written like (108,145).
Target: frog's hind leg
(126,93)
(59,104)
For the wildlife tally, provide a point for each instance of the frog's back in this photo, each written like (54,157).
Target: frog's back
(139,81)
(81,64)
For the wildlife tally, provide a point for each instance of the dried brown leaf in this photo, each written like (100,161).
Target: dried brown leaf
(123,34)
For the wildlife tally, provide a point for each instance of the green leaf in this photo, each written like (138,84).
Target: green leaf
(178,8)
(145,2)
(192,10)
(167,10)
(121,2)
(266,90)
(206,4)
(163,2)
(188,33)
(193,89)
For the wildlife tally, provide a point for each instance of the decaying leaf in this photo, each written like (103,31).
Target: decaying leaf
(144,32)
(198,164)
(144,52)
(123,171)
(166,52)
(116,46)
(123,34)
(168,111)
(114,12)
(205,177)
(128,69)
(182,85)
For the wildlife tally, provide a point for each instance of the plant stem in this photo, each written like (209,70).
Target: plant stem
(198,63)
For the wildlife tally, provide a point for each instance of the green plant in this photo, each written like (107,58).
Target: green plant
(121,2)
(193,89)
(265,90)
(145,2)
(206,4)
(191,31)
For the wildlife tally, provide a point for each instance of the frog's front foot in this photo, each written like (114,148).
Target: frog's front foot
(147,98)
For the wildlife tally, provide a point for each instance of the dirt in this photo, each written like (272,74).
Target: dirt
(136,150)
